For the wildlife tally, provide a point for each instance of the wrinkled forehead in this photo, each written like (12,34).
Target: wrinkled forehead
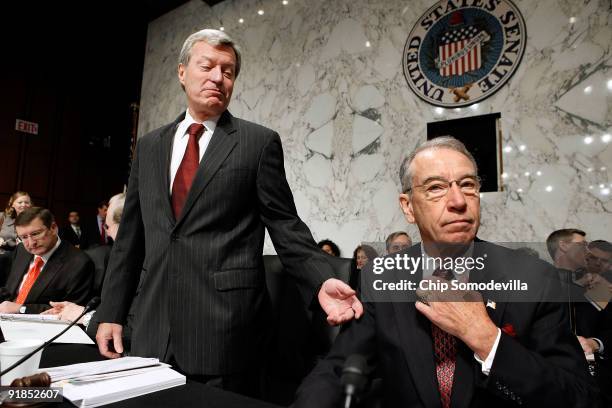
(441,162)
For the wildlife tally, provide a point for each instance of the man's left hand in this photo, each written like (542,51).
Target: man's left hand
(339,302)
(9,307)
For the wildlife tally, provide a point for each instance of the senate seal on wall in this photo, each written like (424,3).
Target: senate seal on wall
(462,51)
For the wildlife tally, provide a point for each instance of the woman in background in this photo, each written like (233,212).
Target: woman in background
(16,204)
(361,256)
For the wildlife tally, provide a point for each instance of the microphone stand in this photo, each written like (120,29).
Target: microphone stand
(91,305)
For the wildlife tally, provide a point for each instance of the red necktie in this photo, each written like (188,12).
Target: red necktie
(445,352)
(102,234)
(187,170)
(30,279)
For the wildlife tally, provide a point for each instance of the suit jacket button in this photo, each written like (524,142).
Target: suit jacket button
(173,237)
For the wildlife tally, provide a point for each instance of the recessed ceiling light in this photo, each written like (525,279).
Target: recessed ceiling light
(606,138)
(260,12)
(241,20)
(588,140)
(522,148)
(222,28)
(572,20)
(588,89)
(285,2)
(367,44)
(549,188)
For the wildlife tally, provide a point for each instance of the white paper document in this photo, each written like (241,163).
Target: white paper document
(39,330)
(104,382)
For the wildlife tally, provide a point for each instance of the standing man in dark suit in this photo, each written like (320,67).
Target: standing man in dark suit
(202,190)
(95,232)
(44,268)
(457,353)
(73,233)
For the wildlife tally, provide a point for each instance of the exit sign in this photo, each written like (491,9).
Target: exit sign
(26,127)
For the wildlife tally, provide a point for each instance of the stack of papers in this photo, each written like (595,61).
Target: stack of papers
(40,327)
(104,382)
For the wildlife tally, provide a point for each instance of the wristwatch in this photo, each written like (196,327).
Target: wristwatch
(22,309)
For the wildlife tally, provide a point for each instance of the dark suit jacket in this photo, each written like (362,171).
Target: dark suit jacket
(91,234)
(542,365)
(68,275)
(66,233)
(202,285)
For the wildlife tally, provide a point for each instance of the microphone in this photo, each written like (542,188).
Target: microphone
(93,303)
(354,377)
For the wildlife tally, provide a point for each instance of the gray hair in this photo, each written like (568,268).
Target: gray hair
(442,142)
(119,201)
(212,37)
(394,235)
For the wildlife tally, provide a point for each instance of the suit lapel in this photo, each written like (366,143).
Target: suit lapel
(221,144)
(51,269)
(163,164)
(21,264)
(495,302)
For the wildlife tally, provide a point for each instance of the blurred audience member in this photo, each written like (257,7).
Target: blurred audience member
(96,233)
(44,268)
(16,204)
(361,256)
(73,232)
(567,248)
(529,251)
(330,247)
(397,241)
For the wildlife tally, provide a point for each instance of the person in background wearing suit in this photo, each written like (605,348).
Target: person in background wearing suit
(450,353)
(397,241)
(95,231)
(73,232)
(201,192)
(44,268)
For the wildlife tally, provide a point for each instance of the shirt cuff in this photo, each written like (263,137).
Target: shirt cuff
(488,362)
(600,343)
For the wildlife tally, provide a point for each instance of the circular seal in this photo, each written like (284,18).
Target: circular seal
(462,51)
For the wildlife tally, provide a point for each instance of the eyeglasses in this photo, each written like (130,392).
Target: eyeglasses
(34,235)
(398,247)
(438,188)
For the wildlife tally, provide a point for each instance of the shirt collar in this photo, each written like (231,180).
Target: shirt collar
(210,124)
(45,257)
(467,254)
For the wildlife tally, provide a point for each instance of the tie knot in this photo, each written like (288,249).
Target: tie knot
(444,274)
(38,262)
(195,130)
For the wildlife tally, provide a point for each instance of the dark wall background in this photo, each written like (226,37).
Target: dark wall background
(75,72)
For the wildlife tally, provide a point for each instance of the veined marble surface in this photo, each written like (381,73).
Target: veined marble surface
(327,76)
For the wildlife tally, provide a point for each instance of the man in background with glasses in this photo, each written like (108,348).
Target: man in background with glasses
(483,351)
(44,268)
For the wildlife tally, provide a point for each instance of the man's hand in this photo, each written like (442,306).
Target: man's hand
(107,333)
(467,320)
(65,310)
(339,302)
(589,346)
(9,307)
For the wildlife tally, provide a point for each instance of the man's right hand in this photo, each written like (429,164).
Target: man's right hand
(107,333)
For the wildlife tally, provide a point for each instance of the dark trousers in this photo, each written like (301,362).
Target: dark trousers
(247,383)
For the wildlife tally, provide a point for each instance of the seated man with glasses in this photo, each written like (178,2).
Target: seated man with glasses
(483,349)
(44,268)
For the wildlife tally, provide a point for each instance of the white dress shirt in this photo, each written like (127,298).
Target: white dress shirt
(45,257)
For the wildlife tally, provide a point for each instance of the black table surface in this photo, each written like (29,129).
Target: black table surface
(192,394)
